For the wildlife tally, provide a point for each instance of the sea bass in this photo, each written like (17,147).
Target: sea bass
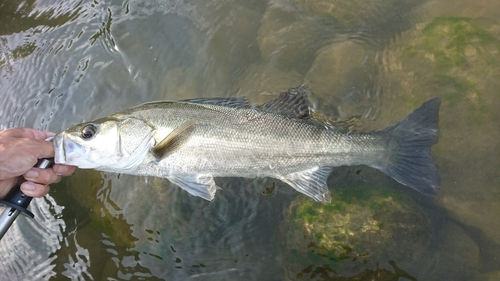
(192,141)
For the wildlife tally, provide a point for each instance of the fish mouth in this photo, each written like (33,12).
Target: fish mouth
(67,151)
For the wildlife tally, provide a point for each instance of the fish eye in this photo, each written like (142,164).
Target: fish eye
(89,131)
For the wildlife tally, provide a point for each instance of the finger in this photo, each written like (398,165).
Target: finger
(63,170)
(20,155)
(31,140)
(42,149)
(41,176)
(32,189)
(6,185)
(27,133)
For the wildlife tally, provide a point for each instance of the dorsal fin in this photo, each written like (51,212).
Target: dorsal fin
(239,102)
(292,103)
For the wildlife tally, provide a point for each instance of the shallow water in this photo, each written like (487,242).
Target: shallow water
(63,63)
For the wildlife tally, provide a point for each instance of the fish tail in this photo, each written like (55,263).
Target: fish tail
(408,159)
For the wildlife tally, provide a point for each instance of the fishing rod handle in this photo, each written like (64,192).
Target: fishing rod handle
(16,199)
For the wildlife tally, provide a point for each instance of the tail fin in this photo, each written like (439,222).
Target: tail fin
(408,159)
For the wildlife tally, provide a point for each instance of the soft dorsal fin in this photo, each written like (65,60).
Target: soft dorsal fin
(292,103)
(239,102)
(174,140)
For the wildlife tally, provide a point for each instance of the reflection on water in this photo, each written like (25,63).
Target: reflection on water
(375,61)
(19,249)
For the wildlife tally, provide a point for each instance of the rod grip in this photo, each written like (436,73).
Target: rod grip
(17,199)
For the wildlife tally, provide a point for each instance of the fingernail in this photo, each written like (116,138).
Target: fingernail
(28,186)
(31,174)
(60,170)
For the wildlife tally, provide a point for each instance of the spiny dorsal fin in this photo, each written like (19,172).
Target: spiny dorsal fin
(292,103)
(174,140)
(239,102)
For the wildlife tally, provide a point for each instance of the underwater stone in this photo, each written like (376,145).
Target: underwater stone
(359,229)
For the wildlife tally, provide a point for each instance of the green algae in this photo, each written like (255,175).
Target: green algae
(456,58)
(448,38)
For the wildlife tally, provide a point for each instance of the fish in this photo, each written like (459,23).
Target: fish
(191,142)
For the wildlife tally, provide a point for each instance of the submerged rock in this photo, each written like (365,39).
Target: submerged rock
(455,256)
(291,32)
(261,80)
(456,58)
(288,39)
(340,76)
(359,229)
(490,276)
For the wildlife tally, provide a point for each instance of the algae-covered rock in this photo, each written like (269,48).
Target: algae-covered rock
(358,229)
(462,52)
(454,57)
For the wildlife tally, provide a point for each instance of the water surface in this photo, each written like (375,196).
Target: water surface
(370,63)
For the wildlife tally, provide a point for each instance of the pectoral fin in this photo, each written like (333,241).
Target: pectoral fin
(174,140)
(198,185)
(311,183)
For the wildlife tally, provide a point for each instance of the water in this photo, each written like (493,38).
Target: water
(62,63)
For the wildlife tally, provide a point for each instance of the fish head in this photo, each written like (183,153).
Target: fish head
(114,143)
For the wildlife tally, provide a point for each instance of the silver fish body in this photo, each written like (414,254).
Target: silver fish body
(191,142)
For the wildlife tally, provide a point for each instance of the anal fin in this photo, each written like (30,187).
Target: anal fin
(311,182)
(201,185)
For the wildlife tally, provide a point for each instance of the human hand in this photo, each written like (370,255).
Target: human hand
(20,149)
